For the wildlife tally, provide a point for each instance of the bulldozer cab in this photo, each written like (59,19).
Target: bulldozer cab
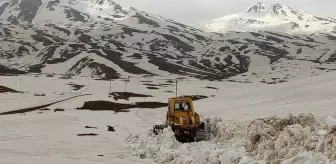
(180,106)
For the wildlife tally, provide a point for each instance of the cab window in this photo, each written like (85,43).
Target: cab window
(182,106)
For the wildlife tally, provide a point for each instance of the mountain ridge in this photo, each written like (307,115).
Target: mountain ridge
(272,17)
(144,44)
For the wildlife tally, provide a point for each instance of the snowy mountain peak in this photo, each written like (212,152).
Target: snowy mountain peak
(110,4)
(60,11)
(104,2)
(272,17)
(98,38)
(257,7)
(276,9)
(280,9)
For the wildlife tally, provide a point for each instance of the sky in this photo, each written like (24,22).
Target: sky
(193,12)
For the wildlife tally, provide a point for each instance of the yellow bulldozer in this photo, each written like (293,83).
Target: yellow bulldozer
(183,120)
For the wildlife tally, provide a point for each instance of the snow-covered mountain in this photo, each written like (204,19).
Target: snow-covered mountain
(273,17)
(102,39)
(98,34)
(60,11)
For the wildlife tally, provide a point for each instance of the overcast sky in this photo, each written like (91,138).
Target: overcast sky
(193,11)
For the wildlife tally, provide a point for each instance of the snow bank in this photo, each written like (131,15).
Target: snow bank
(293,139)
(307,158)
(274,139)
(218,130)
(164,148)
(330,121)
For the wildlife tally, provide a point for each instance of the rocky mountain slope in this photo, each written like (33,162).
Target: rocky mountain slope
(273,17)
(99,38)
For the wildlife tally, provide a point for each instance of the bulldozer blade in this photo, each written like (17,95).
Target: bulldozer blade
(200,134)
(158,129)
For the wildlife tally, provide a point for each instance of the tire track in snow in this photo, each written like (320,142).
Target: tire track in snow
(36,107)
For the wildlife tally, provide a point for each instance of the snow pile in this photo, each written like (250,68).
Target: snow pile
(155,147)
(308,158)
(219,130)
(330,121)
(164,148)
(294,139)
(274,138)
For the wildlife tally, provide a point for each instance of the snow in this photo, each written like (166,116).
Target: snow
(48,136)
(232,147)
(330,121)
(142,42)
(258,61)
(52,138)
(64,67)
(282,70)
(307,158)
(271,17)
(106,10)
(165,149)
(238,131)
(150,67)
